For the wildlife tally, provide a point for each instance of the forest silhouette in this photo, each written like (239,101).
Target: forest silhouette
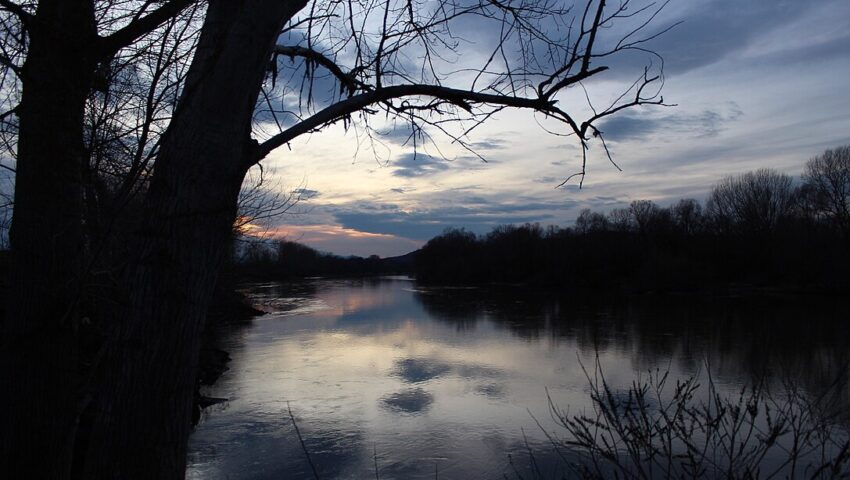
(761,229)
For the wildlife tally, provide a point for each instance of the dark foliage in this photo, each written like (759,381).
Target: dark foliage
(756,230)
(294,260)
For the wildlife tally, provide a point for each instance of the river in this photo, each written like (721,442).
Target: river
(386,376)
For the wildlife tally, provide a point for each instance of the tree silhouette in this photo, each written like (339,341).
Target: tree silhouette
(828,178)
(256,62)
(752,203)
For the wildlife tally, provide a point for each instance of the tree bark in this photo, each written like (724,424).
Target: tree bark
(39,358)
(145,397)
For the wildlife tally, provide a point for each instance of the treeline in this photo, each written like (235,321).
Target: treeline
(287,260)
(760,228)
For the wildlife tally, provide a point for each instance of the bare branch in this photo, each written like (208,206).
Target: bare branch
(19,11)
(460,98)
(349,81)
(140,26)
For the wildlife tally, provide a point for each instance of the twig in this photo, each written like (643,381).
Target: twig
(303,445)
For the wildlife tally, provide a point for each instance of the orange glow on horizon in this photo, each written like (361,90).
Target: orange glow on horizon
(316,232)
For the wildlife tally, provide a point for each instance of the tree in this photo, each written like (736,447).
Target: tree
(591,222)
(52,53)
(752,203)
(687,215)
(644,212)
(621,220)
(827,178)
(388,57)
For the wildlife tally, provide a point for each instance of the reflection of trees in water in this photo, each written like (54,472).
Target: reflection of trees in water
(802,339)
(280,297)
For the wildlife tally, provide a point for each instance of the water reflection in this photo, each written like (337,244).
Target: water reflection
(444,379)
(412,400)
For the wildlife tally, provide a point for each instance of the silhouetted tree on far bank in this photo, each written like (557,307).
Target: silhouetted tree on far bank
(827,177)
(687,215)
(753,203)
(755,230)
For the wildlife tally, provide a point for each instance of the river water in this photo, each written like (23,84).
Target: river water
(411,382)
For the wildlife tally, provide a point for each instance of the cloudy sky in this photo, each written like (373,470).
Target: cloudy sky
(757,83)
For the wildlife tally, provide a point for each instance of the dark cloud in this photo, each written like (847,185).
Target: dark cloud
(399,134)
(714,30)
(549,180)
(634,126)
(473,213)
(711,31)
(628,126)
(412,165)
(603,200)
(828,49)
(489,144)
(417,164)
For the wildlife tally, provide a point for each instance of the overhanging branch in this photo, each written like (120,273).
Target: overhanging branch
(460,98)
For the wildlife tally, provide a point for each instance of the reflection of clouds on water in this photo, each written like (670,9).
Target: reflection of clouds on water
(417,370)
(413,400)
(420,370)
(492,390)
(472,372)
(365,372)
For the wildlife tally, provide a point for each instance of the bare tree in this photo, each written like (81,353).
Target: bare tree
(687,214)
(51,53)
(621,219)
(591,222)
(391,59)
(827,176)
(644,213)
(751,203)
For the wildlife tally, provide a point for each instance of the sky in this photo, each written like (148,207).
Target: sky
(755,83)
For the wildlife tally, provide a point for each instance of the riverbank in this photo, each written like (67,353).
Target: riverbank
(229,309)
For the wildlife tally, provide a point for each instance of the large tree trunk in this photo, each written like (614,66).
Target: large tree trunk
(144,405)
(39,367)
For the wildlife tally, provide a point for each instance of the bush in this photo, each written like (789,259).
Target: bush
(661,429)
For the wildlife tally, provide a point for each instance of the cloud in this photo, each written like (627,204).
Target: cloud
(306,193)
(489,144)
(398,134)
(417,164)
(636,126)
(474,213)
(716,29)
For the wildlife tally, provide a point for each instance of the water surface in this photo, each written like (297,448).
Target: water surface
(421,382)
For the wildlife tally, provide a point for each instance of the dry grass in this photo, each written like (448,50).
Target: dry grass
(664,428)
